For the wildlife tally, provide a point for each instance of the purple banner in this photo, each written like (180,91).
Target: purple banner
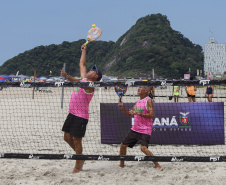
(174,123)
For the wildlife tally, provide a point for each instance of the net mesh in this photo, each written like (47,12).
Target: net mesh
(32,124)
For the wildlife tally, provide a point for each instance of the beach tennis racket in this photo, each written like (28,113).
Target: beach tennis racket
(93,34)
(120,91)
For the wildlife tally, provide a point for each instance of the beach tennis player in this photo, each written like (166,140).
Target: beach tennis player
(190,90)
(143,113)
(75,124)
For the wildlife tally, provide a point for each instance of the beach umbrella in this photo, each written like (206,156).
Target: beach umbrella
(2,80)
(13,76)
(50,80)
(27,80)
(42,78)
(23,76)
(6,77)
(50,76)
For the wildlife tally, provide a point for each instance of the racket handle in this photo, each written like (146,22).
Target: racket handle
(120,99)
(85,44)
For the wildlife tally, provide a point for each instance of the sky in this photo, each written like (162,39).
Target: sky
(26,24)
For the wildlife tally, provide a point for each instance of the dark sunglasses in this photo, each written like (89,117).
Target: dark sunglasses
(94,68)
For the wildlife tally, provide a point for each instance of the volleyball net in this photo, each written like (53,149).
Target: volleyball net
(32,116)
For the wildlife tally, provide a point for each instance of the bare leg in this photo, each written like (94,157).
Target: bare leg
(78,150)
(189,99)
(210,98)
(76,144)
(69,139)
(193,99)
(122,152)
(145,150)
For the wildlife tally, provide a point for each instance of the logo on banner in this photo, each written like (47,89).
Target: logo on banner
(68,156)
(139,158)
(204,82)
(164,83)
(31,156)
(92,84)
(214,159)
(175,159)
(101,158)
(184,118)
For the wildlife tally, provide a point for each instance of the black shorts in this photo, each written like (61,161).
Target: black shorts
(75,125)
(133,137)
(190,95)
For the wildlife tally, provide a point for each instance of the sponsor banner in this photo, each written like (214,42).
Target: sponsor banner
(174,123)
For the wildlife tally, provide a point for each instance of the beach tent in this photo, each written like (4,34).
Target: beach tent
(22,76)
(13,76)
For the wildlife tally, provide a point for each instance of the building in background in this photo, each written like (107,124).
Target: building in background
(215,57)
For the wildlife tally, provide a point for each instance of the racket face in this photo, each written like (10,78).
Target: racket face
(120,91)
(94,34)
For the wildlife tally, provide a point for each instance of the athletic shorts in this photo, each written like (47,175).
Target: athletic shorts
(190,95)
(133,137)
(75,125)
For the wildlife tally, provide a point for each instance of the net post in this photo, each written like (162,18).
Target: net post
(33,96)
(100,95)
(62,96)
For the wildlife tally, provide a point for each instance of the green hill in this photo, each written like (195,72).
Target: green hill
(149,44)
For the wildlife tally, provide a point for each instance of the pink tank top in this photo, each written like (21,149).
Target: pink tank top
(79,103)
(142,125)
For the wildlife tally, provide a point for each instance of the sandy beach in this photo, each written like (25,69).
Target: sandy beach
(34,126)
(54,172)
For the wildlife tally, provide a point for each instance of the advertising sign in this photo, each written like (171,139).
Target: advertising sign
(174,123)
(186,76)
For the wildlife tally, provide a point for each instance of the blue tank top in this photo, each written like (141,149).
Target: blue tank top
(209,90)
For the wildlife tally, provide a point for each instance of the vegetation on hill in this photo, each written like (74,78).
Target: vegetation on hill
(149,44)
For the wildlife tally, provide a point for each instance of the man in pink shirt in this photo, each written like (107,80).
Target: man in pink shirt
(75,124)
(143,113)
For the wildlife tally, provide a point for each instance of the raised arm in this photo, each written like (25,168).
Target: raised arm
(127,112)
(82,63)
(82,66)
(65,75)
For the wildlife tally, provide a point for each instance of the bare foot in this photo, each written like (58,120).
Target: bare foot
(78,166)
(159,168)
